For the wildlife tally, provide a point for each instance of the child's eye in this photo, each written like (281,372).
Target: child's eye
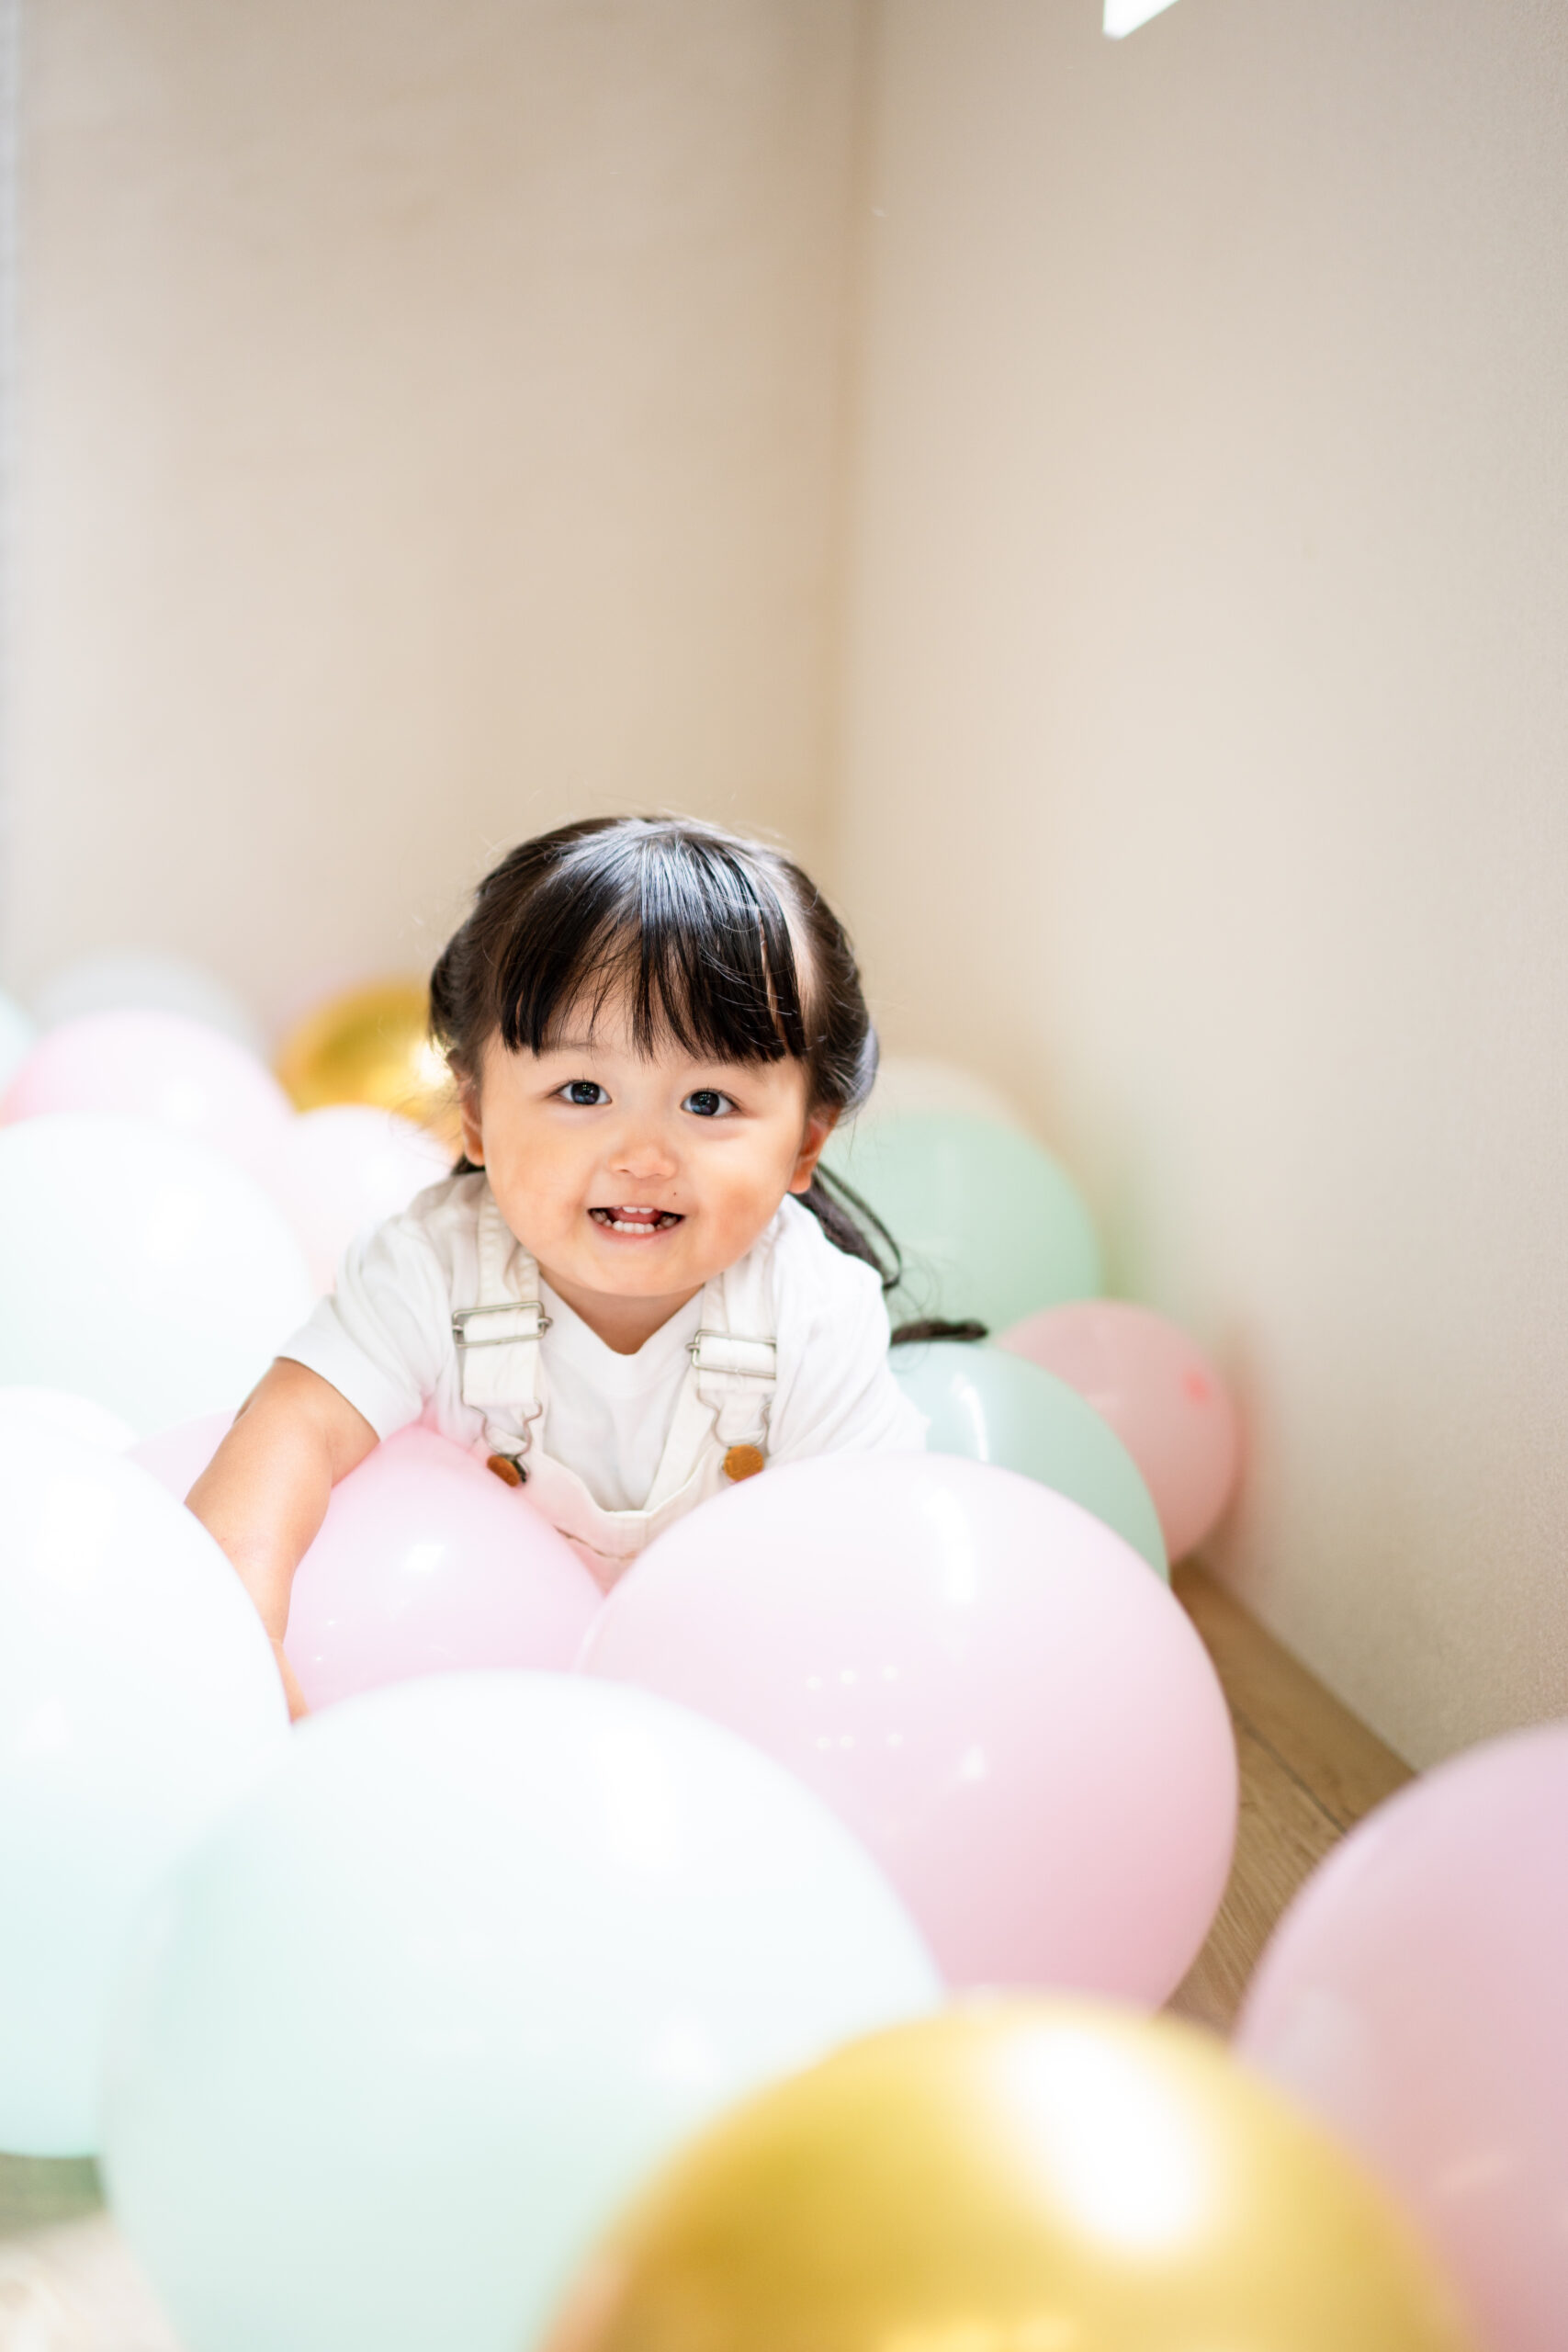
(707,1102)
(584,1091)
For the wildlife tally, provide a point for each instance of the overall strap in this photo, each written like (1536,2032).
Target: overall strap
(498,1338)
(727,1395)
(735,1354)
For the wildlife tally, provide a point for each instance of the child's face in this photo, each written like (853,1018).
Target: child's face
(634,1180)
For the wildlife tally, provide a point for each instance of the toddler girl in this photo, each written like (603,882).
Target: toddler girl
(636,1287)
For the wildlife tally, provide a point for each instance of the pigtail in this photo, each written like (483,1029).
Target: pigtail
(843,1216)
(931,1326)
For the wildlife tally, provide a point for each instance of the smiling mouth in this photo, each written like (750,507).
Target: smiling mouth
(636,1221)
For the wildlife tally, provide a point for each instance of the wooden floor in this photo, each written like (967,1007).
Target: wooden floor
(1309,1772)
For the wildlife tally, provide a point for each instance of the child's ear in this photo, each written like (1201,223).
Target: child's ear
(818,1127)
(469,1113)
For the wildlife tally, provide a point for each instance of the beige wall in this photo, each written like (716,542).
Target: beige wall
(428,429)
(1205,741)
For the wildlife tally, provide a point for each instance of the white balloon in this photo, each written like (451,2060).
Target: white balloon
(17,1035)
(146,1271)
(911,1082)
(138,1698)
(144,980)
(402,2036)
(335,1170)
(82,1418)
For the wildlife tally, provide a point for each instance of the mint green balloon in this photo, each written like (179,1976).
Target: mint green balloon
(992,1407)
(411,2027)
(989,1224)
(138,1698)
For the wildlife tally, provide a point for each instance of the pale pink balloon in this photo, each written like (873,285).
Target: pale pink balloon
(983,1683)
(335,1170)
(1415,1995)
(1160,1394)
(425,1562)
(159,1066)
(176,1457)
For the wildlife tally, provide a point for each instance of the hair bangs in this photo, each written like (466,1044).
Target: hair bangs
(671,932)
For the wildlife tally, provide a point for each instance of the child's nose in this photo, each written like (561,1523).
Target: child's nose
(643,1151)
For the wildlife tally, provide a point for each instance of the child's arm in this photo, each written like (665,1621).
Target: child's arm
(266,1491)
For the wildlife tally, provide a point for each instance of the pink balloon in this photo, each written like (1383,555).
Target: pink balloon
(334,1170)
(425,1563)
(1416,1994)
(155,1066)
(1160,1394)
(983,1683)
(176,1457)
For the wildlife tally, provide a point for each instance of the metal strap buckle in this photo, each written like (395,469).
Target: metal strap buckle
(726,1351)
(535,1329)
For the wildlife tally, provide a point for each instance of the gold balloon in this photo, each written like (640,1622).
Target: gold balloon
(372,1046)
(1031,2177)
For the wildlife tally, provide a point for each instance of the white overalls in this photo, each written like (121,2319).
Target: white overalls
(719,1433)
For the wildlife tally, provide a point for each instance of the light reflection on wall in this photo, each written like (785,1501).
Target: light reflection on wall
(1124,16)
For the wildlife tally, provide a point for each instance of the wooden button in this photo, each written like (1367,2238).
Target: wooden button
(511,1471)
(744,1462)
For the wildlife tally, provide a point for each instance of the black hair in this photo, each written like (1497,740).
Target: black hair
(695,930)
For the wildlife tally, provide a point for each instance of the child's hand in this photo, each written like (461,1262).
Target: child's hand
(292,1693)
(266,1491)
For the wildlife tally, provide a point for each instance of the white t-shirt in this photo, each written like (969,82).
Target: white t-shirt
(384,1341)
